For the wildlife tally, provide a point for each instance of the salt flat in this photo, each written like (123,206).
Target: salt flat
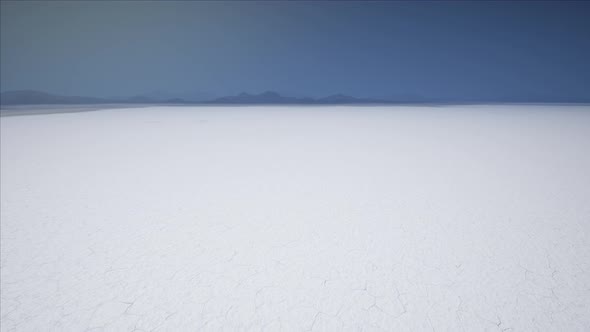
(463,218)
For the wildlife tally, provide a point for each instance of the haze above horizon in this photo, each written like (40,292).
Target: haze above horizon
(440,50)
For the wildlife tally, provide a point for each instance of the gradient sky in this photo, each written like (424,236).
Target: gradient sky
(456,50)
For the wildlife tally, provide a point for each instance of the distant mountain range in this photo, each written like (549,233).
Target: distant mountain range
(37,97)
(32,97)
(271,97)
(189,96)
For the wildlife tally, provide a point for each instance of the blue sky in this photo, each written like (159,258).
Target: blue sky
(447,50)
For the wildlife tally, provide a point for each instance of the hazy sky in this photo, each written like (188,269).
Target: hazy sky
(460,50)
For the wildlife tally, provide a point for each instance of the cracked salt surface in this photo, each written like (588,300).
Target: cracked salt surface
(298,219)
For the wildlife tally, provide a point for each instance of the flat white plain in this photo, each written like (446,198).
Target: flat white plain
(297,218)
